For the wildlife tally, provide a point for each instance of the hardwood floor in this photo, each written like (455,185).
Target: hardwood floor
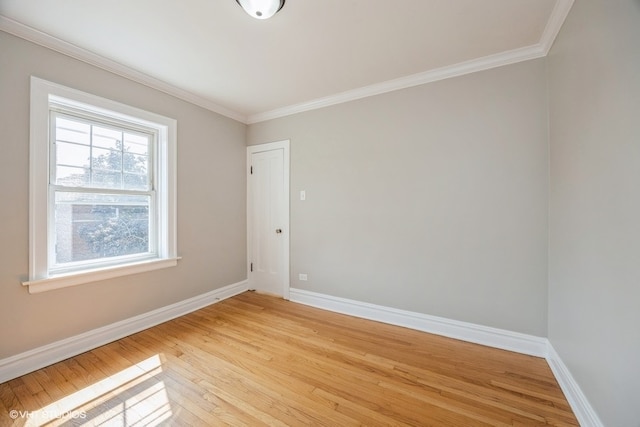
(258,360)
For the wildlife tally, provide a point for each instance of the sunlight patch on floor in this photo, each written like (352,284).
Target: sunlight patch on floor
(131,397)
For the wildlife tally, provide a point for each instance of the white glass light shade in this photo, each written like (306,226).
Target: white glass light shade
(261,9)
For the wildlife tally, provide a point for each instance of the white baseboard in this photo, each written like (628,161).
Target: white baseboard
(29,361)
(15,366)
(584,412)
(492,337)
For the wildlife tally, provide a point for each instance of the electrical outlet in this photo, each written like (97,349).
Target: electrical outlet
(302,276)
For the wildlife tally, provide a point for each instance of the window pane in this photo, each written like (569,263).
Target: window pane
(107,138)
(72,131)
(72,154)
(72,176)
(135,143)
(106,179)
(99,226)
(135,182)
(135,162)
(106,159)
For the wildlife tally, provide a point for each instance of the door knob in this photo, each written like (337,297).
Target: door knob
(278,230)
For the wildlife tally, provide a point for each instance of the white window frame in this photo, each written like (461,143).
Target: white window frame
(41,277)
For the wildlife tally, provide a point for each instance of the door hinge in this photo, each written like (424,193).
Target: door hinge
(251,266)
(251,170)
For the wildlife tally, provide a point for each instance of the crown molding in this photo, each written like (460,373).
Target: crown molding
(541,49)
(556,19)
(43,39)
(460,69)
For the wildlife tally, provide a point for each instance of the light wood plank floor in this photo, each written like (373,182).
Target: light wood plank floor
(258,360)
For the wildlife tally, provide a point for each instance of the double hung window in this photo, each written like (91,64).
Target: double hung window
(102,188)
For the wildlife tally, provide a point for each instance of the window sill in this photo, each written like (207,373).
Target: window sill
(87,276)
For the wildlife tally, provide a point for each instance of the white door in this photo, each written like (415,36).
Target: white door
(268,218)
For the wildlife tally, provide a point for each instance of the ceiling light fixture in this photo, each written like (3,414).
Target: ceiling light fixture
(261,9)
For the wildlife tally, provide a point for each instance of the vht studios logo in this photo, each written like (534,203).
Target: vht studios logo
(46,415)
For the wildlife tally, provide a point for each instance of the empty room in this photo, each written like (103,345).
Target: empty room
(336,212)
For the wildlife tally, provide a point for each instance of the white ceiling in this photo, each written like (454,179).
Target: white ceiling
(312,53)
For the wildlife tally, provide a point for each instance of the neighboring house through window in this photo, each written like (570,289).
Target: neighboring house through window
(102,183)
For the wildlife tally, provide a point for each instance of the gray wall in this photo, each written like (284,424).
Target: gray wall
(211,206)
(594,286)
(431,199)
